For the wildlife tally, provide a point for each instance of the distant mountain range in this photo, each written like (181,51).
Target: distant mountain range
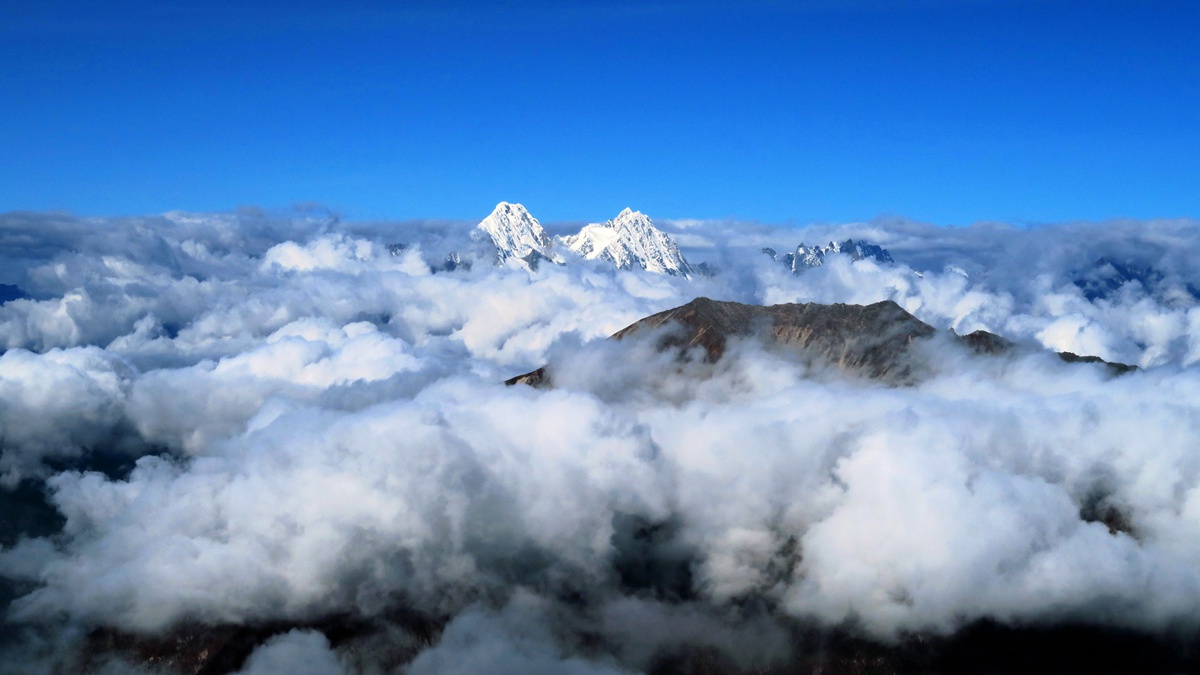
(628,241)
(1107,276)
(806,257)
(631,241)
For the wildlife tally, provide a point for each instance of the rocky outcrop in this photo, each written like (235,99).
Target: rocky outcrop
(868,339)
(874,340)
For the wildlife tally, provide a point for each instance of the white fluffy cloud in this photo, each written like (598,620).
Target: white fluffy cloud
(298,652)
(322,431)
(57,404)
(518,640)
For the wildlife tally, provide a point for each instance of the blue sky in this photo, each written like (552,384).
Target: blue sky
(948,112)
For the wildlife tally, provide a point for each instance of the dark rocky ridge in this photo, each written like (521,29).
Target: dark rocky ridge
(1107,276)
(983,646)
(870,340)
(387,642)
(1114,368)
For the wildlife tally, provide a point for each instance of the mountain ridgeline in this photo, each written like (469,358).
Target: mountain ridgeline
(876,341)
(806,257)
(628,241)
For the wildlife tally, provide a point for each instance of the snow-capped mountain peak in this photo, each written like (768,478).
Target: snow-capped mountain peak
(630,240)
(517,234)
(814,256)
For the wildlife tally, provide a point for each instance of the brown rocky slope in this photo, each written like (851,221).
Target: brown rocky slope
(874,340)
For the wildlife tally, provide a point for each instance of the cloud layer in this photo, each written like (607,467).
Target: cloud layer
(305,426)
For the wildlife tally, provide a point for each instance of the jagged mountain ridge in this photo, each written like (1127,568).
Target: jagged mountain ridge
(864,338)
(627,241)
(453,260)
(1107,276)
(517,234)
(870,340)
(806,257)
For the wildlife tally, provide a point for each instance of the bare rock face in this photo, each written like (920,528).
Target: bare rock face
(983,342)
(1113,368)
(868,339)
(874,340)
(220,649)
(871,340)
(534,378)
(194,650)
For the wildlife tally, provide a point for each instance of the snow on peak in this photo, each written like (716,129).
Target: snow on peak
(814,256)
(517,234)
(627,241)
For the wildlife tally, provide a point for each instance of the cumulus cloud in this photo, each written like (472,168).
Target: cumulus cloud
(299,652)
(320,430)
(516,640)
(59,404)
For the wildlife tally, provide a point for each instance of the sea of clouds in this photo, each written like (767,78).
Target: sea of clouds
(262,419)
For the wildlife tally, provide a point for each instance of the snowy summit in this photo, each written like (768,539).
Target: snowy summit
(517,234)
(630,240)
(814,256)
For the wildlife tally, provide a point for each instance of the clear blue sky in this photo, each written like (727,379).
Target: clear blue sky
(945,111)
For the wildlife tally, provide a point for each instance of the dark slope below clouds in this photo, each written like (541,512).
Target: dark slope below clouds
(276,439)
